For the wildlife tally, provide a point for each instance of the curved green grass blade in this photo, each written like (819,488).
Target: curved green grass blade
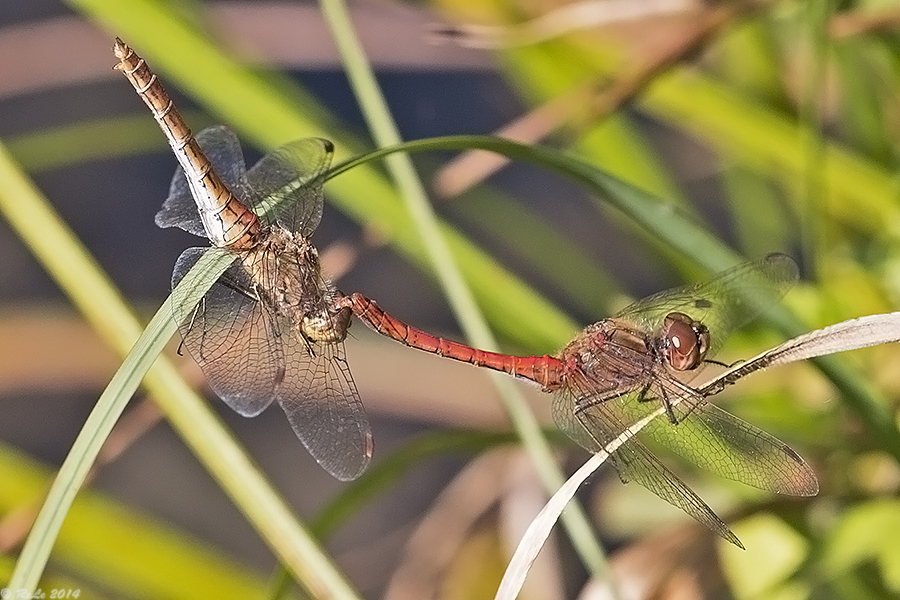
(462,302)
(108,543)
(266,113)
(554,260)
(683,234)
(71,266)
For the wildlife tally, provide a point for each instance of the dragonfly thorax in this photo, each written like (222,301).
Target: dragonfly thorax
(608,355)
(286,269)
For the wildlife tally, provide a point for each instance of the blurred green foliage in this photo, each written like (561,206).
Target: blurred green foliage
(801,122)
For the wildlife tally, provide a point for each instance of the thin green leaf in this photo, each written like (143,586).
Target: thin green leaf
(271,113)
(75,271)
(108,543)
(684,235)
(459,295)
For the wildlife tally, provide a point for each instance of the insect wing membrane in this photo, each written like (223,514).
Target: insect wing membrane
(634,462)
(287,183)
(723,303)
(231,336)
(223,150)
(321,402)
(723,444)
(564,415)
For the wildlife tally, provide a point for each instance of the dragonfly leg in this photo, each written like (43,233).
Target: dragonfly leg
(642,396)
(670,413)
(190,326)
(194,314)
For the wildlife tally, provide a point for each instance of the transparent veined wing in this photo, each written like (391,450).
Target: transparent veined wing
(221,147)
(723,303)
(232,336)
(285,186)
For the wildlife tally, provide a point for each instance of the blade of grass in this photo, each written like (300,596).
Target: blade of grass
(72,267)
(538,530)
(680,232)
(112,402)
(129,552)
(462,302)
(812,213)
(111,138)
(262,110)
(840,337)
(6,566)
(571,272)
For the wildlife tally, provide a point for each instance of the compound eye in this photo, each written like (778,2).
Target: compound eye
(686,341)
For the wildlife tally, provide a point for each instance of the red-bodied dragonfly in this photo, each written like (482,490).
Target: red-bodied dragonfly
(270,328)
(609,376)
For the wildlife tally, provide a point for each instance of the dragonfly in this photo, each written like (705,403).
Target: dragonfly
(619,370)
(271,328)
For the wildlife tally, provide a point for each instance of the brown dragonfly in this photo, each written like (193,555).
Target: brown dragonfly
(270,329)
(618,370)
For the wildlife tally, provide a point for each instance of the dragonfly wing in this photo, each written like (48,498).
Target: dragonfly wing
(723,444)
(566,419)
(223,150)
(319,397)
(286,184)
(634,462)
(232,336)
(722,303)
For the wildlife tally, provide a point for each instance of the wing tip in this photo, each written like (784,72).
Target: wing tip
(729,536)
(346,471)
(781,267)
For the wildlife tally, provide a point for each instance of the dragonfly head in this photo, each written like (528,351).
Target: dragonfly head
(685,341)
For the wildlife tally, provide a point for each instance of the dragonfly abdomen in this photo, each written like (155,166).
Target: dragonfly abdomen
(545,370)
(228,223)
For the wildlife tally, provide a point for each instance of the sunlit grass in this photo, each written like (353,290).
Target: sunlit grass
(741,114)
